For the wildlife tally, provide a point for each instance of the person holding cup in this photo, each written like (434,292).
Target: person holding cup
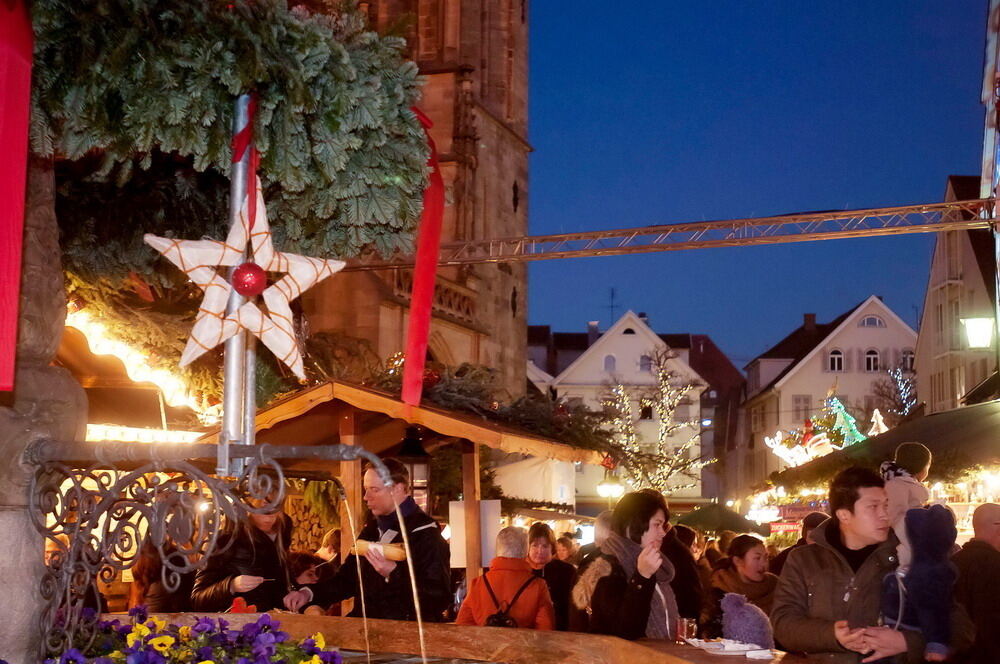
(626,590)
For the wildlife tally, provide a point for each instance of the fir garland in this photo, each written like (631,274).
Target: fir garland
(342,156)
(134,99)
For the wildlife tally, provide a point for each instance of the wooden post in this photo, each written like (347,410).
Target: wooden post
(471,495)
(350,475)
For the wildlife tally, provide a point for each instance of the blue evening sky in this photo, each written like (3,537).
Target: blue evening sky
(661,112)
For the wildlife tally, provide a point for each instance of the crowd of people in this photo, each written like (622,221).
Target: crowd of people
(876,579)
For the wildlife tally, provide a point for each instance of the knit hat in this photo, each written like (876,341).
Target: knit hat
(912,457)
(745,622)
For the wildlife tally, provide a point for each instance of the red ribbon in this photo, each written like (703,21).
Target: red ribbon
(242,140)
(424,274)
(15,94)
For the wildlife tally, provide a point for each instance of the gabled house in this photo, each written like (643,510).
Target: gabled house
(584,365)
(788,383)
(961,284)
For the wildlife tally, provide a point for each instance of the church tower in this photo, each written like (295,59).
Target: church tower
(474,57)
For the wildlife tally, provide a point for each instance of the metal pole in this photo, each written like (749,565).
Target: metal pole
(249,401)
(234,378)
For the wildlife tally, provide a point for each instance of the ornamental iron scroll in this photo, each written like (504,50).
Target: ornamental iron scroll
(97,504)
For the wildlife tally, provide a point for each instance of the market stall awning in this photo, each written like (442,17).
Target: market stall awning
(715,517)
(307,418)
(958,438)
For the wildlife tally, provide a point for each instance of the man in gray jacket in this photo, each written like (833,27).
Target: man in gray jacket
(828,599)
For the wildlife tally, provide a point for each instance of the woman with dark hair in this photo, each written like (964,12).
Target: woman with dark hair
(626,590)
(147,587)
(743,572)
(253,566)
(559,576)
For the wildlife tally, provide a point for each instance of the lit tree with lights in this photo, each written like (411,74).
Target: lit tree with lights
(664,464)
(896,394)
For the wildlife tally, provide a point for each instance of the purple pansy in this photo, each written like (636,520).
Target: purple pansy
(72,656)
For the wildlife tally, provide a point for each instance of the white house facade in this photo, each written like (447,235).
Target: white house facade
(788,383)
(960,286)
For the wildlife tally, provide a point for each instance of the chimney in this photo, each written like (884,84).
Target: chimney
(593,332)
(643,317)
(809,322)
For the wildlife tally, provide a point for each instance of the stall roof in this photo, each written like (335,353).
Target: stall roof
(958,438)
(387,408)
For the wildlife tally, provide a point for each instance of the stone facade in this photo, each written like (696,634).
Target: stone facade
(474,55)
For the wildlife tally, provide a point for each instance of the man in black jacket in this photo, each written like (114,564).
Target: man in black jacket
(385,583)
(978,584)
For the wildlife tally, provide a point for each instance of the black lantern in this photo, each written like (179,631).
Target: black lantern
(418,463)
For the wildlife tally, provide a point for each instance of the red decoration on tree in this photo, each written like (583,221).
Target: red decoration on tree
(609,463)
(249,279)
(431,378)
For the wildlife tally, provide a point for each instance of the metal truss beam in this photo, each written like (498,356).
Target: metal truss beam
(839,224)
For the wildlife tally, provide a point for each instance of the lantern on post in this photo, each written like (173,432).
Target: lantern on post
(418,464)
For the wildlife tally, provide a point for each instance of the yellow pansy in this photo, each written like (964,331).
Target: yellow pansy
(184,632)
(140,630)
(206,661)
(319,640)
(315,660)
(162,643)
(116,655)
(158,624)
(132,639)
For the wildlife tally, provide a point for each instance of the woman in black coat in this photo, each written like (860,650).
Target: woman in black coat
(626,590)
(254,566)
(559,576)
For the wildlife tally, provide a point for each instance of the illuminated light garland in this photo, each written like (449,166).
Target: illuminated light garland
(674,461)
(99,432)
(906,387)
(175,390)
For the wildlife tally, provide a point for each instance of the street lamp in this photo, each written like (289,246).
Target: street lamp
(418,463)
(610,487)
(978,332)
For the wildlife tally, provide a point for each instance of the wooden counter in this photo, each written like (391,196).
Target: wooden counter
(487,644)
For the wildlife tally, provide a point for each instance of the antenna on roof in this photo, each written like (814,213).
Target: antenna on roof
(612,306)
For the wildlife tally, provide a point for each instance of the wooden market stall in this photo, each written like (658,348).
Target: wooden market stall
(339,412)
(965,471)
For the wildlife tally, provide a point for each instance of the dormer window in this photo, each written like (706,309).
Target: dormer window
(836,361)
(609,363)
(871,321)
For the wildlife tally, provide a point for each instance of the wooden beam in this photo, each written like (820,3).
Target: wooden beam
(471,494)
(443,422)
(485,644)
(350,476)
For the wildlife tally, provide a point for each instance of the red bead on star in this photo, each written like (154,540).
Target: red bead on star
(249,279)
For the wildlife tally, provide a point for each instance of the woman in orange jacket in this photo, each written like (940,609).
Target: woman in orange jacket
(509,595)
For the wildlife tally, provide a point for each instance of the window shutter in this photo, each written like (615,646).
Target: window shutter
(848,356)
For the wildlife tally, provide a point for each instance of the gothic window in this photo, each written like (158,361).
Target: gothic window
(871,360)
(871,321)
(609,363)
(646,363)
(836,360)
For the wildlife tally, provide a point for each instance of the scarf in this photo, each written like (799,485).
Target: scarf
(663,611)
(390,521)
(890,470)
(760,593)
